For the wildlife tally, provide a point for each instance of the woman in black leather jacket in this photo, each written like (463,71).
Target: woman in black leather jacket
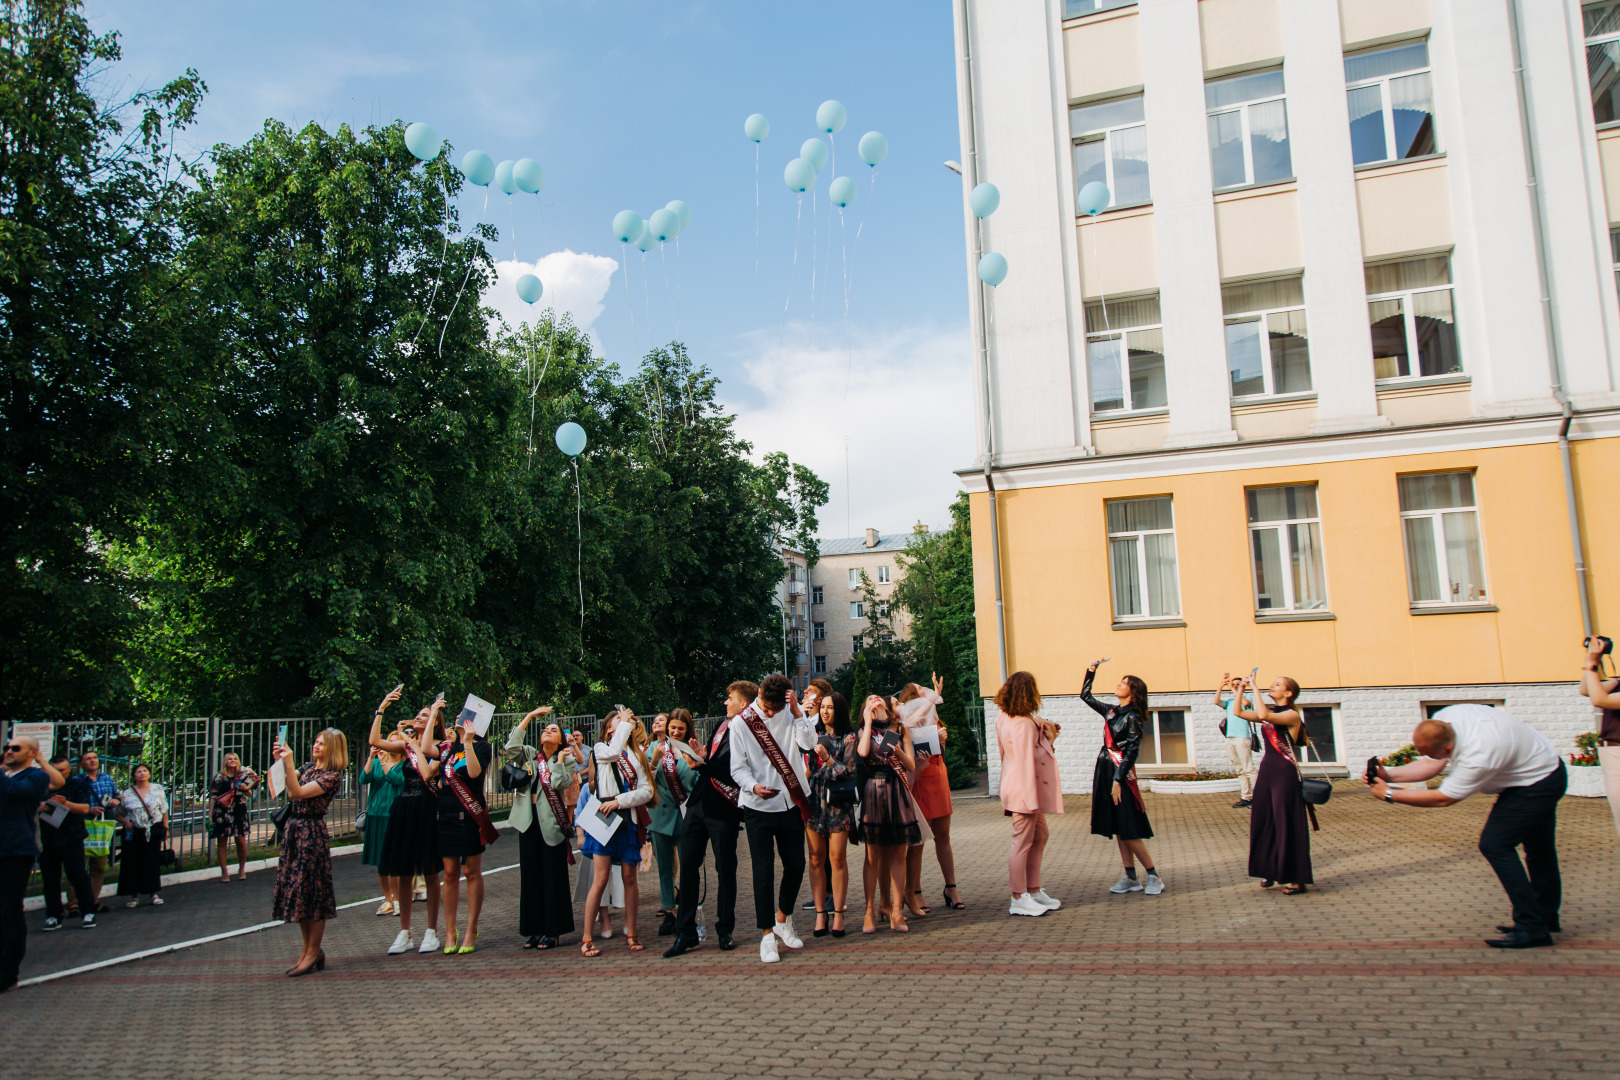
(1116,802)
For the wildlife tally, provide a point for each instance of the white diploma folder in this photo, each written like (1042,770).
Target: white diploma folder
(600,827)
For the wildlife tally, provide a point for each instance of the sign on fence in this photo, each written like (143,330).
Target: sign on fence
(44,734)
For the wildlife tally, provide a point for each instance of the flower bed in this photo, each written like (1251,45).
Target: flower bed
(1192,784)
(1585,782)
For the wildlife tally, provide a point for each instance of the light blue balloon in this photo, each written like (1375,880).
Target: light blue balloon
(842,191)
(571,439)
(799,175)
(626,226)
(529,288)
(478,167)
(874,148)
(645,241)
(664,225)
(528,175)
(423,142)
(830,117)
(1094,198)
(681,212)
(756,127)
(993,268)
(815,152)
(984,199)
(503,177)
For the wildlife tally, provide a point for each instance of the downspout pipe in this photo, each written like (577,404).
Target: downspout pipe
(1548,313)
(970,179)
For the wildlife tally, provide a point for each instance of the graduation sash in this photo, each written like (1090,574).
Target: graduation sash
(464,795)
(778,760)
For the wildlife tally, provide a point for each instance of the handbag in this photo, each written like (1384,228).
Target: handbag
(279,816)
(1314,790)
(360,822)
(515,776)
(843,792)
(98,834)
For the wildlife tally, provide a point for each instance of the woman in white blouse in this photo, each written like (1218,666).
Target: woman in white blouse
(144,811)
(620,779)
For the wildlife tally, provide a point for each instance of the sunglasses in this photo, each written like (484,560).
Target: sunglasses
(14,748)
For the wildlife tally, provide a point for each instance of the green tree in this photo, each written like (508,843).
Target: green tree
(961,749)
(860,684)
(936,588)
(94,399)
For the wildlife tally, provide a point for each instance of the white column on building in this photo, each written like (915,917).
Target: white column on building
(1184,222)
(1335,285)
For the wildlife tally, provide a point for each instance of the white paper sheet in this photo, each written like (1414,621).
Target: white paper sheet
(277,779)
(53,815)
(926,738)
(601,828)
(476,712)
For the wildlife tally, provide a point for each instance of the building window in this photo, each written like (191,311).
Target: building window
(1322,725)
(1432,707)
(818,631)
(855,645)
(1602,20)
(815,594)
(1285,544)
(855,577)
(857,609)
(883,609)
(1142,558)
(1164,740)
(1410,307)
(821,665)
(1391,107)
(883,575)
(1110,145)
(1440,524)
(1073,9)
(1248,130)
(1267,351)
(1125,349)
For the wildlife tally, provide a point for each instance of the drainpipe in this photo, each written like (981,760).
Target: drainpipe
(970,179)
(1548,315)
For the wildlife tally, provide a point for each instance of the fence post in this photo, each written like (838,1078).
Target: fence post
(216,743)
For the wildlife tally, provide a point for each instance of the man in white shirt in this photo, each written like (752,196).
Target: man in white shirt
(1494,753)
(767,762)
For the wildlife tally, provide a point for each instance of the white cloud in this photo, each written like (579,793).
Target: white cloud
(902,403)
(575,282)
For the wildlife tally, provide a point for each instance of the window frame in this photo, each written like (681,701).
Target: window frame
(1611,37)
(1288,556)
(856,644)
(1138,537)
(1119,334)
(818,631)
(1242,109)
(819,663)
(857,609)
(1336,719)
(1438,533)
(1387,109)
(1409,317)
(1262,316)
(1151,732)
(1102,5)
(1106,136)
(883,575)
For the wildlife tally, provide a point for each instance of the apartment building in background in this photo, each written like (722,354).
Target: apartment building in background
(840,625)
(1329,387)
(793,601)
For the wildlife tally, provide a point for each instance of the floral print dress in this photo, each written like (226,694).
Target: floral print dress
(304,879)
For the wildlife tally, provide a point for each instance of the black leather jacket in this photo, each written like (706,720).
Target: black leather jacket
(1124,722)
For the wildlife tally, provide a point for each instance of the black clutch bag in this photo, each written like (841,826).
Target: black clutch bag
(1315,790)
(843,792)
(279,816)
(515,777)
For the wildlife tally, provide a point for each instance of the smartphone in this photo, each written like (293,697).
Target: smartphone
(618,708)
(281,736)
(397,689)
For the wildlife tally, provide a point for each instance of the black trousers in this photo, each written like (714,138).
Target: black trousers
(14,871)
(1528,817)
(545,897)
(54,862)
(698,831)
(785,830)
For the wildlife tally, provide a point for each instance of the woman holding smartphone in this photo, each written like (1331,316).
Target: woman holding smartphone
(622,784)
(1279,827)
(674,766)
(1117,810)
(831,830)
(464,826)
(304,892)
(544,828)
(411,840)
(888,817)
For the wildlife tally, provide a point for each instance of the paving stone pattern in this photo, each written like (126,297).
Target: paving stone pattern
(1378,972)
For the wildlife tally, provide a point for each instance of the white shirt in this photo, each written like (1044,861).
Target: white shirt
(605,778)
(750,766)
(1493,752)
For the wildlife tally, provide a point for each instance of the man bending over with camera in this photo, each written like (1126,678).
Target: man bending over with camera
(1492,752)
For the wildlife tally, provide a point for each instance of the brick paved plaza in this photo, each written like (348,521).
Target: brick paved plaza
(1378,972)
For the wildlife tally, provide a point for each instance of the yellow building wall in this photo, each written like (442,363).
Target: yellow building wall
(1059,611)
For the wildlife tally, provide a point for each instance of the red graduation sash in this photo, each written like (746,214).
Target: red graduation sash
(778,760)
(1119,758)
(728,790)
(559,809)
(464,795)
(419,763)
(672,775)
(627,782)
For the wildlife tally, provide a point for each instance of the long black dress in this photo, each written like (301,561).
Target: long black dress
(1127,819)
(411,843)
(1279,831)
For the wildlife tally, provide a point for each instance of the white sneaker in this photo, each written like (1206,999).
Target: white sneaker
(430,942)
(1154,885)
(387,908)
(784,930)
(1047,902)
(419,895)
(1126,884)
(767,949)
(402,944)
(1025,904)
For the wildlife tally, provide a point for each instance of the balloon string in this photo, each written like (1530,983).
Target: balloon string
(849,344)
(677,287)
(668,295)
(579,555)
(628,298)
(646,301)
(1100,294)
(815,231)
(464,277)
(756,209)
(793,275)
(428,311)
(511,221)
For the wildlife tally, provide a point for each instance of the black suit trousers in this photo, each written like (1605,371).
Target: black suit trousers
(1528,817)
(700,830)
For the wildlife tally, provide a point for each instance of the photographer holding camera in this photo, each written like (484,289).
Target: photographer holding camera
(1605,694)
(1492,752)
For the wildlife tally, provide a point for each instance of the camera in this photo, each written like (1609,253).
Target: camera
(1608,644)
(1372,768)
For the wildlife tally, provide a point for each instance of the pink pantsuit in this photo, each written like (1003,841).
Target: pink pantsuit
(1030,790)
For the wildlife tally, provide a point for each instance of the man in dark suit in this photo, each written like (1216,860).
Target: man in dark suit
(712,820)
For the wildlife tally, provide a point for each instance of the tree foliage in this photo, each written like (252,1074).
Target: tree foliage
(936,589)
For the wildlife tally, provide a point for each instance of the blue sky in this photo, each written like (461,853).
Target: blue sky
(630,105)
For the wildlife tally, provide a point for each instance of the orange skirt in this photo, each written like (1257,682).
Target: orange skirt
(932,787)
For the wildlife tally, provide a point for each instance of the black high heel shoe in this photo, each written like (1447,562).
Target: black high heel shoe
(320,961)
(957,905)
(821,931)
(837,933)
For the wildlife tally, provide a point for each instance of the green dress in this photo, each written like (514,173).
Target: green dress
(385,784)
